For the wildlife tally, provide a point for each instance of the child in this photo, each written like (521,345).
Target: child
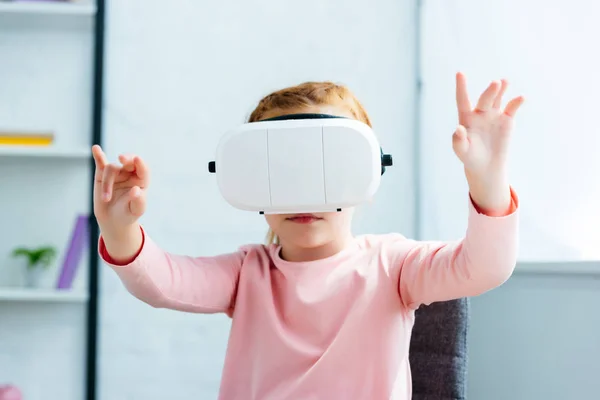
(318,313)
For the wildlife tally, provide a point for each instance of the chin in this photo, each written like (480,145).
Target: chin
(311,241)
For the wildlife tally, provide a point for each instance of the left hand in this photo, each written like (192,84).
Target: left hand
(481,142)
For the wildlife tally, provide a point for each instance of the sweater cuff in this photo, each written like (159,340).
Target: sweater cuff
(107,258)
(514,205)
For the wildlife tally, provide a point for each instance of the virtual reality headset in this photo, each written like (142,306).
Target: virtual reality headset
(299,163)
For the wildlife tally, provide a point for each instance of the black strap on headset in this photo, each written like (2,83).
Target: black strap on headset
(301,116)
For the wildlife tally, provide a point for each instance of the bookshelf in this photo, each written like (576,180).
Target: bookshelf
(52,55)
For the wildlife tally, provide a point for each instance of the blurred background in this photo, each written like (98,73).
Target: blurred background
(165,79)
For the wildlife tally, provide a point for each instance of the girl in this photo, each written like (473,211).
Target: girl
(318,313)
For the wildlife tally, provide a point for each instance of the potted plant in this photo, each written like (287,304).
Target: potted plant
(38,259)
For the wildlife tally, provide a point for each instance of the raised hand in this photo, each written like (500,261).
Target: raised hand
(119,191)
(482,139)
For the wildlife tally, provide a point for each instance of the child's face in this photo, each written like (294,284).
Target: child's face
(312,230)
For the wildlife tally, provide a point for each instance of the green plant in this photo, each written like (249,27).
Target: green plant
(43,256)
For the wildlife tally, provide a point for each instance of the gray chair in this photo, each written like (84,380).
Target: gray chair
(438,351)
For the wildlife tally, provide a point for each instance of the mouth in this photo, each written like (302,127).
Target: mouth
(304,218)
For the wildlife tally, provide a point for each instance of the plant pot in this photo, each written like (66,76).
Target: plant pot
(33,276)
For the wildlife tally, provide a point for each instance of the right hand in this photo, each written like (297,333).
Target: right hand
(119,191)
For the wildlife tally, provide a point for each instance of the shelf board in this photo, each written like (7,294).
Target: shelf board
(44,152)
(47,7)
(41,295)
(574,268)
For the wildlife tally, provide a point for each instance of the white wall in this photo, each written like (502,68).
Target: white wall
(178,74)
(544,49)
(535,337)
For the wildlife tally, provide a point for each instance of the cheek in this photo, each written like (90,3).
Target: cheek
(274,220)
(340,220)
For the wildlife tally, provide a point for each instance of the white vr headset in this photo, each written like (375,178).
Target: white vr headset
(299,163)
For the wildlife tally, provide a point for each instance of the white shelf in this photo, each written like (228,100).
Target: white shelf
(41,295)
(559,268)
(44,152)
(47,7)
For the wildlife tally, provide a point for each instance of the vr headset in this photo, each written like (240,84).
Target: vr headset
(299,163)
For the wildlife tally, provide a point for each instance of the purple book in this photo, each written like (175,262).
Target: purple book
(79,241)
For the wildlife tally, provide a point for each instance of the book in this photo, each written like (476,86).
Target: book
(25,138)
(78,244)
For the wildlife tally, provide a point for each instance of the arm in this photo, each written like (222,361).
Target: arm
(161,279)
(483,260)
(486,257)
(164,280)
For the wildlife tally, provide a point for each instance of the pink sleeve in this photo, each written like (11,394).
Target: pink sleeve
(193,284)
(483,260)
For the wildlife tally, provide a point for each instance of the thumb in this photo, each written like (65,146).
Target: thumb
(460,142)
(137,201)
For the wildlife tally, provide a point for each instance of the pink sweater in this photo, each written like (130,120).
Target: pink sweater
(336,328)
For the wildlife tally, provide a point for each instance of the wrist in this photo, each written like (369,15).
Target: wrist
(122,243)
(491,192)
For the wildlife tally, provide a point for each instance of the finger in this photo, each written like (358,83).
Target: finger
(137,202)
(99,156)
(513,106)
(460,142)
(108,180)
(100,161)
(141,169)
(498,99)
(486,100)
(462,96)
(127,161)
